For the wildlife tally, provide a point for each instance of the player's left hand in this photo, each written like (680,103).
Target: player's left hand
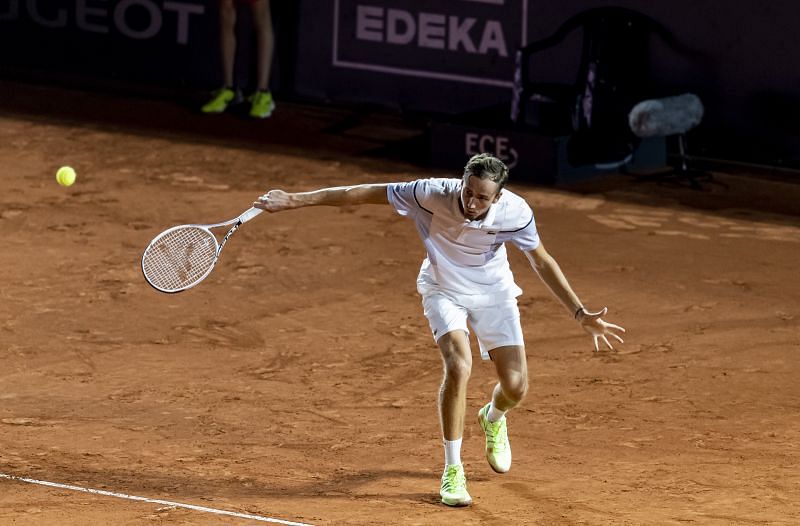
(593,323)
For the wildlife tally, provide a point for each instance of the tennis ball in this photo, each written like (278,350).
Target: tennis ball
(65,176)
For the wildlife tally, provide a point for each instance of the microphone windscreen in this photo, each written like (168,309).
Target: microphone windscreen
(667,116)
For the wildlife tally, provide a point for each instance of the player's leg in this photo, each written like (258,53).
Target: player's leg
(448,323)
(499,333)
(512,372)
(227,48)
(457,364)
(262,103)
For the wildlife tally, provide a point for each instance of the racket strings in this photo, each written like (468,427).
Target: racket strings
(179,258)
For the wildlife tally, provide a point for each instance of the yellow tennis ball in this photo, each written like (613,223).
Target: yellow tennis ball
(65,176)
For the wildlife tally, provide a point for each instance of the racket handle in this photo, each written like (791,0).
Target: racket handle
(249,214)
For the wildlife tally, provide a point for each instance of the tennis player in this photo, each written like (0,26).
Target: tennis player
(466,282)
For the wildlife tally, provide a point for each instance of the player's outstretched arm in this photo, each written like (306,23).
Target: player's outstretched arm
(592,322)
(362,194)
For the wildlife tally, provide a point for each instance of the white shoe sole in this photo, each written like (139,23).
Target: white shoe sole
(456,503)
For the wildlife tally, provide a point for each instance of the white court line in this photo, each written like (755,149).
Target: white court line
(153,501)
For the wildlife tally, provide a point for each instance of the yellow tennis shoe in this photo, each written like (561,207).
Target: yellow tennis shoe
(498,449)
(454,486)
(261,104)
(220,101)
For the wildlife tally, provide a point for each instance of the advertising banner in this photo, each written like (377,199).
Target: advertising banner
(438,55)
(463,41)
(165,42)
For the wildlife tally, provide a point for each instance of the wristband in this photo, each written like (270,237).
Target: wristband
(578,312)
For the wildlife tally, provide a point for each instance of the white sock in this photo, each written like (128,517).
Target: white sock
(494,414)
(452,452)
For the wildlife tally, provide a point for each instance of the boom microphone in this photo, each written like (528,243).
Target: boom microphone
(667,116)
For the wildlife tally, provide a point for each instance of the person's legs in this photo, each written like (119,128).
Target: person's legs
(265,42)
(499,334)
(227,48)
(512,371)
(262,103)
(448,322)
(227,40)
(457,362)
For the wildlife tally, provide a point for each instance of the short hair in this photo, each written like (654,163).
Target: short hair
(486,166)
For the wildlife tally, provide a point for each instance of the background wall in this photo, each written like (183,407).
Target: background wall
(744,68)
(442,56)
(140,41)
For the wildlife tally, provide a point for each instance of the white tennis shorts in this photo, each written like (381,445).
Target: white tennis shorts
(496,325)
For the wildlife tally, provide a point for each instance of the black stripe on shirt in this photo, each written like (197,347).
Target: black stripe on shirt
(414,191)
(517,230)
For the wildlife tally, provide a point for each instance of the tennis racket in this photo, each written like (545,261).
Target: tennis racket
(182,256)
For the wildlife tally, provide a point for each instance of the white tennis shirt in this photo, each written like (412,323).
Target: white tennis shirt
(465,258)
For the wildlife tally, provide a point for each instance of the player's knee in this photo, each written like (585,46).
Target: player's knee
(456,356)
(457,367)
(517,388)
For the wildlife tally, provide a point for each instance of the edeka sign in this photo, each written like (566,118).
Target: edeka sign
(470,41)
(135,19)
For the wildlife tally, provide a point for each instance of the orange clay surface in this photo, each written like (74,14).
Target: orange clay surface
(299,381)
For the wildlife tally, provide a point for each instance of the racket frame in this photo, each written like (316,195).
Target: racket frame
(244,217)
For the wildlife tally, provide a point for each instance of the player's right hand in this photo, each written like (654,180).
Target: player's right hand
(274,201)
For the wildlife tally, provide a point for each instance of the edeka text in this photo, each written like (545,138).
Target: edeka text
(430,30)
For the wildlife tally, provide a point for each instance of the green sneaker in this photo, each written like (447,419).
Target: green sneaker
(262,104)
(219,101)
(498,450)
(454,486)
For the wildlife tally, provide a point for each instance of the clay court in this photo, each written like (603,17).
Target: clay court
(299,381)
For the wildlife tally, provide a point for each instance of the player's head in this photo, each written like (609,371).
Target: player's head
(485,166)
(483,182)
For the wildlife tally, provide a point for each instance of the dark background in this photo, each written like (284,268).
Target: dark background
(742,65)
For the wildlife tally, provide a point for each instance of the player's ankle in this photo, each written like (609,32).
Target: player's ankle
(494,414)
